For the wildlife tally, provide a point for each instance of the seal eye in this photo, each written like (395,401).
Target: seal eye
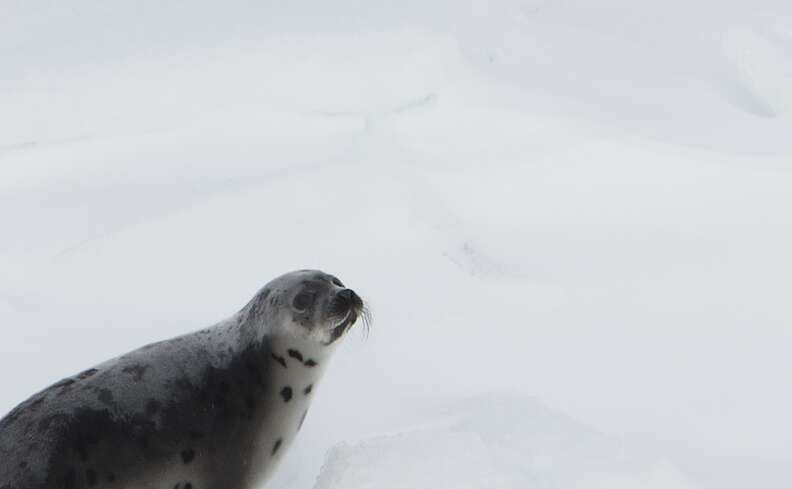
(337,282)
(303,300)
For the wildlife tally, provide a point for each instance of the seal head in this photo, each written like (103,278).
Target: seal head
(307,304)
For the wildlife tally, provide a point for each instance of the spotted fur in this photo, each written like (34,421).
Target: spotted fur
(211,409)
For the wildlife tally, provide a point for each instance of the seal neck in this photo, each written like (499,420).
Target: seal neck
(253,329)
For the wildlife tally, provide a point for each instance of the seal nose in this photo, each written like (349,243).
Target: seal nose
(350,299)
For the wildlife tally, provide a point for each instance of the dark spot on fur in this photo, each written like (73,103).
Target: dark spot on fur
(106,396)
(23,465)
(296,354)
(110,477)
(86,373)
(90,477)
(286,393)
(196,435)
(177,486)
(308,389)
(280,360)
(311,363)
(136,371)
(187,456)
(277,446)
(188,486)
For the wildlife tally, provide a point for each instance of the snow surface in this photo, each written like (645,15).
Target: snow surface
(507,443)
(586,203)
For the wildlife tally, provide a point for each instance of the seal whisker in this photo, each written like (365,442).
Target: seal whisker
(366,317)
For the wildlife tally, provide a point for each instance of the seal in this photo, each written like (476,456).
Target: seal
(213,409)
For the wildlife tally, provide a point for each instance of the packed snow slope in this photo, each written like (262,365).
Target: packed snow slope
(571,220)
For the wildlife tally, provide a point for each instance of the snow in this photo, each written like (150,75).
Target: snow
(496,442)
(570,218)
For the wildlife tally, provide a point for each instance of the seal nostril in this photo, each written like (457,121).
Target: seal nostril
(349,298)
(347,295)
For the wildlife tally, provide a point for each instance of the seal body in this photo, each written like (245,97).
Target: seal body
(214,409)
